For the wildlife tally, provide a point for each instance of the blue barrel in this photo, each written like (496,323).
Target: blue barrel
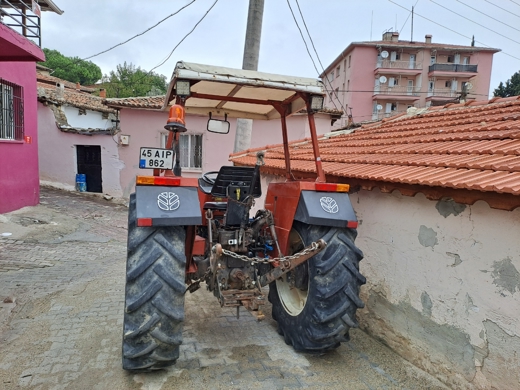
(81,182)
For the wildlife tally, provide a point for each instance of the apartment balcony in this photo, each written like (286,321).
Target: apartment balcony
(452,70)
(398,67)
(441,93)
(403,93)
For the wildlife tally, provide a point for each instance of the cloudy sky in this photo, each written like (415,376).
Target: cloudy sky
(89,27)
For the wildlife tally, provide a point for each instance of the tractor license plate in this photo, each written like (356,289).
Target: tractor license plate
(156,158)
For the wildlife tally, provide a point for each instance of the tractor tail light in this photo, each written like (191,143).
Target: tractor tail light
(332,187)
(352,224)
(158,181)
(142,222)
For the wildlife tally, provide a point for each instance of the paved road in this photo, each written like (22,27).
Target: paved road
(61,310)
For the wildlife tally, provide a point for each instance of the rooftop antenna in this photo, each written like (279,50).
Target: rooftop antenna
(371,24)
(411,39)
(395,22)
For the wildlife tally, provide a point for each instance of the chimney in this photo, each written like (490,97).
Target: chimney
(428,38)
(78,86)
(103,93)
(395,36)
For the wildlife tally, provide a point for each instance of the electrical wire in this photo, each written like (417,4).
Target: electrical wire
(456,32)
(128,40)
(142,33)
(136,82)
(186,36)
(480,12)
(404,93)
(509,12)
(319,60)
(512,1)
(472,21)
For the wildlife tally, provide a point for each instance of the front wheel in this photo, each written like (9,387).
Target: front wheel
(154,295)
(315,304)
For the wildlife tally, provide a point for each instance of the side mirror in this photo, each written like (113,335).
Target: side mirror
(218,126)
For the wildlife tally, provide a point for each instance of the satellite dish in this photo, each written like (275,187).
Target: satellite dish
(379,107)
(384,54)
(382,79)
(469,86)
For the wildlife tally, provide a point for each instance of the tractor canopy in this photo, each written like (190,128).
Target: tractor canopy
(240,93)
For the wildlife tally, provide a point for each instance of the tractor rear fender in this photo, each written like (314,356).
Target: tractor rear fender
(300,201)
(167,206)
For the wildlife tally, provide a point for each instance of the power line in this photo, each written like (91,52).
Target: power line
(512,1)
(122,43)
(186,36)
(404,93)
(480,12)
(318,57)
(447,28)
(509,12)
(472,21)
(142,33)
(307,47)
(136,82)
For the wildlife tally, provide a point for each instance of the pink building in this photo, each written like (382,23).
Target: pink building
(19,180)
(377,79)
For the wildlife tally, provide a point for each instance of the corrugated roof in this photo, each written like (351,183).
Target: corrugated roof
(74,98)
(143,102)
(473,146)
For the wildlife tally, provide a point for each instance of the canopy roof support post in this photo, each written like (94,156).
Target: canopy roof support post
(288,173)
(315,147)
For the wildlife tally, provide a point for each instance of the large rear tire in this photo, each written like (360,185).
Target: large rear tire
(154,295)
(315,304)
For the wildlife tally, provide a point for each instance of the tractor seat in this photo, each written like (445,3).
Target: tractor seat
(215,206)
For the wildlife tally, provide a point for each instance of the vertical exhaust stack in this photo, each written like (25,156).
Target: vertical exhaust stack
(428,38)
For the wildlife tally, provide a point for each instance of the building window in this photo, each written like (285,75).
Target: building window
(348,85)
(331,78)
(190,149)
(11,111)
(337,71)
(450,59)
(447,84)
(349,60)
(433,59)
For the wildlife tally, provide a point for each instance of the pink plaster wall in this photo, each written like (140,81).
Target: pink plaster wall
(145,128)
(57,154)
(19,183)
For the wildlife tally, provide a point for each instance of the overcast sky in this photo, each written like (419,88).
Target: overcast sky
(88,27)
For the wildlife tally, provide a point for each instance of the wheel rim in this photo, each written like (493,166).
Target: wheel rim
(293,299)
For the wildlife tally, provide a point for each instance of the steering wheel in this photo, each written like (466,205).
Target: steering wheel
(209,180)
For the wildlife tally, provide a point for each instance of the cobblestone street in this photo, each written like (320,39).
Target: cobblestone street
(61,310)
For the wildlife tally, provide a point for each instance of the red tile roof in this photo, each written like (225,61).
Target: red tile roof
(74,98)
(473,146)
(53,81)
(143,102)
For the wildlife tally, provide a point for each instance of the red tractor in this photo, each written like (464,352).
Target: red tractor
(185,231)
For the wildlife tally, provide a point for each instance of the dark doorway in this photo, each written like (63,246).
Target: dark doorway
(89,163)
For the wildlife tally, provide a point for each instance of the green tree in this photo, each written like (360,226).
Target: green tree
(71,68)
(129,81)
(510,88)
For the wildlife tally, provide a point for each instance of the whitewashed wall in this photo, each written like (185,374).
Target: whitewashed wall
(443,286)
(57,151)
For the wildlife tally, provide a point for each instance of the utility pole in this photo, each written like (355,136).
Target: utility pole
(250,62)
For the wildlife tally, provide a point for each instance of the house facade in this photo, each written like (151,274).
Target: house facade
(19,184)
(377,79)
(77,136)
(437,196)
